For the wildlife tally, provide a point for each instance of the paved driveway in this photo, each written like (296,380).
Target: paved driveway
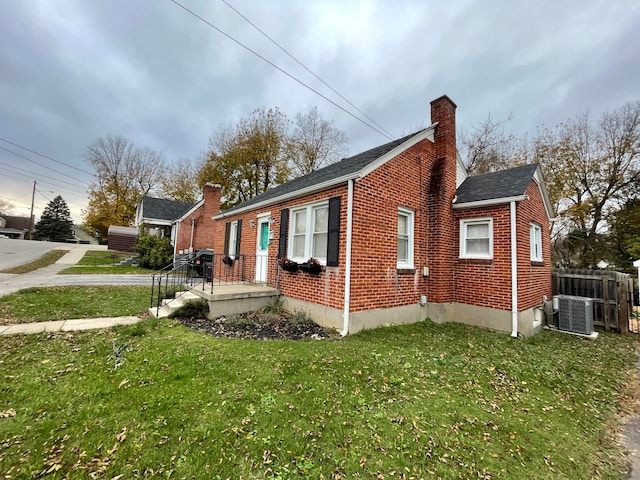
(17,252)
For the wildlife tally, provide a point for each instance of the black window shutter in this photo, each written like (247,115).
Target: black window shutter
(227,230)
(333,239)
(238,237)
(284,229)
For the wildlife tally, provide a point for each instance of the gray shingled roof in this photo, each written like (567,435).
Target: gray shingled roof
(163,209)
(491,186)
(339,169)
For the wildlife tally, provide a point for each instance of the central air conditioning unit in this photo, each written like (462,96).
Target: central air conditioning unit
(575,314)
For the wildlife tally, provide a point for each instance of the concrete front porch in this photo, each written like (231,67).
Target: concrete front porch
(228,299)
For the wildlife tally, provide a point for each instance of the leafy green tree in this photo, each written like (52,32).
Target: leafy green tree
(55,224)
(625,235)
(154,252)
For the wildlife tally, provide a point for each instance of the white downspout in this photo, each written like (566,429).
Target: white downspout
(347,272)
(514,273)
(175,240)
(193,226)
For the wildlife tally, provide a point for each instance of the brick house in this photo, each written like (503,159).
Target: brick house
(195,229)
(157,216)
(403,234)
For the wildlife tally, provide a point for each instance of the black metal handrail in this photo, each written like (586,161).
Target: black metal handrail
(242,269)
(170,280)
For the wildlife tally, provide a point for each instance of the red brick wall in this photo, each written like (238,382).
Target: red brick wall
(487,283)
(405,181)
(441,190)
(375,280)
(534,279)
(327,287)
(205,227)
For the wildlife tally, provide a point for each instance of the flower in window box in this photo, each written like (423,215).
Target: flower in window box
(227,260)
(288,265)
(311,266)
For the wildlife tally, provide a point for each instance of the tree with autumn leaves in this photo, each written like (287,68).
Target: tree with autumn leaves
(592,170)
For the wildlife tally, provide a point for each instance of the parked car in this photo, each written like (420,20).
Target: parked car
(200,260)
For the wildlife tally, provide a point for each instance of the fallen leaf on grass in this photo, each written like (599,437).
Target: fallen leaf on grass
(8,413)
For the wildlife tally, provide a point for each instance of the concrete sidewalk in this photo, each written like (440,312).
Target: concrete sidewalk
(67,325)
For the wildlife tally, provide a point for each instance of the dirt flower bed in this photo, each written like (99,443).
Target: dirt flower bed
(261,326)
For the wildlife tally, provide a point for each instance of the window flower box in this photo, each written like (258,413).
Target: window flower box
(312,266)
(288,265)
(227,260)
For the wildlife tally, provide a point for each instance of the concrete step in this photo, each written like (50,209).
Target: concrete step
(170,305)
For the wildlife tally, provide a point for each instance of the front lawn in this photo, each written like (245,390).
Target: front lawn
(63,303)
(419,401)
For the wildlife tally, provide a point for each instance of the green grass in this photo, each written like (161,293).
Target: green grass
(62,303)
(103,257)
(45,260)
(96,262)
(418,401)
(105,269)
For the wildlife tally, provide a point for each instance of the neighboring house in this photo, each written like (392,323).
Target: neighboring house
(122,239)
(14,227)
(156,216)
(403,235)
(195,229)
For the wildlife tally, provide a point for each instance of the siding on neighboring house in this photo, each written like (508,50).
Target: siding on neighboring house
(122,239)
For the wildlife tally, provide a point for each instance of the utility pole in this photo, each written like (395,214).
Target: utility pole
(33,197)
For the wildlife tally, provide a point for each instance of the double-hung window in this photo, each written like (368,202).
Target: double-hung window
(233,239)
(535,242)
(308,232)
(476,238)
(405,238)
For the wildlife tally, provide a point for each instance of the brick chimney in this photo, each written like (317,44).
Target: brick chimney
(441,191)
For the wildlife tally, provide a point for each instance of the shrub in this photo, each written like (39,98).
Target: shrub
(192,309)
(154,252)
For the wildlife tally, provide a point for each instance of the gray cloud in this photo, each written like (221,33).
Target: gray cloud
(73,71)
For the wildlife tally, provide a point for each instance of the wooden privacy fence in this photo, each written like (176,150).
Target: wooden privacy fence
(612,294)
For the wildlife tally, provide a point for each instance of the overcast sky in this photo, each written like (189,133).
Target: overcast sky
(72,71)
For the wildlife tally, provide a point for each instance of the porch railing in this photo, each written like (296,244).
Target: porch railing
(242,269)
(169,281)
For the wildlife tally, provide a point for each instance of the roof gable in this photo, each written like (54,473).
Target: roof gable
(352,167)
(500,187)
(163,209)
(504,184)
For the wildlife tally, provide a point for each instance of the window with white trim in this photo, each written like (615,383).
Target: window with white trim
(405,238)
(535,242)
(308,232)
(233,239)
(476,238)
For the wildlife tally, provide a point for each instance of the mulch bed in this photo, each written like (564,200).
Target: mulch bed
(259,326)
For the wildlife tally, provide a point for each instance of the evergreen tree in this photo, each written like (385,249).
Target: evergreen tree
(55,224)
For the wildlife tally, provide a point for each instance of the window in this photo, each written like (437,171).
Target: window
(233,239)
(308,232)
(476,238)
(535,242)
(405,238)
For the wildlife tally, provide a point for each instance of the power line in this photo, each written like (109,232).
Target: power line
(30,176)
(280,69)
(42,165)
(44,156)
(304,66)
(29,173)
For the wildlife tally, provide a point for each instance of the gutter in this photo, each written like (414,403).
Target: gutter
(347,273)
(514,273)
(490,202)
